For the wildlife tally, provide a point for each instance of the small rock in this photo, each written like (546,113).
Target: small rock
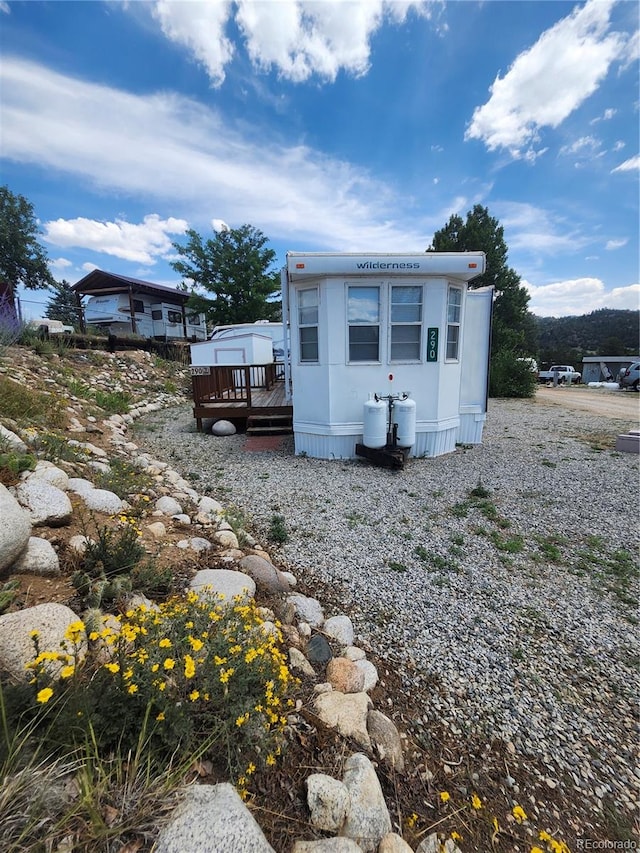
(318,649)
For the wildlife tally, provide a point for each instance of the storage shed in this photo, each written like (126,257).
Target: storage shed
(396,326)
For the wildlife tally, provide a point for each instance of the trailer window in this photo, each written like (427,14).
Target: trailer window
(174,316)
(363,317)
(308,323)
(156,314)
(454,308)
(194,319)
(406,323)
(138,306)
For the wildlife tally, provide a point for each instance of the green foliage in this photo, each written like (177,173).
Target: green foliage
(8,594)
(113,402)
(63,305)
(13,462)
(107,565)
(509,377)
(567,340)
(123,479)
(22,259)
(234,266)
(514,328)
(278,529)
(28,407)
(193,675)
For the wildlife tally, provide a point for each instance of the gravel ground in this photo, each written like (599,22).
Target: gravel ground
(521,605)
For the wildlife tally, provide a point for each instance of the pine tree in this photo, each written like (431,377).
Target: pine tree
(63,305)
(514,328)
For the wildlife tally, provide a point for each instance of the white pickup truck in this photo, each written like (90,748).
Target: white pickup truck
(559,374)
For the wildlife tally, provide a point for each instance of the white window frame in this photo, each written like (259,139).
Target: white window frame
(454,322)
(308,326)
(359,324)
(393,324)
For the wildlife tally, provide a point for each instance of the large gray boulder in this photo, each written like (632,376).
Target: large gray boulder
(46,504)
(15,528)
(16,637)
(267,577)
(214,819)
(50,473)
(223,584)
(102,500)
(368,819)
(38,558)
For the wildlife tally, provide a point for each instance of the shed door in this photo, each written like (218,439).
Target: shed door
(476,345)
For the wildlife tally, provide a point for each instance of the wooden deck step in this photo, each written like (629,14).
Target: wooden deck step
(269,425)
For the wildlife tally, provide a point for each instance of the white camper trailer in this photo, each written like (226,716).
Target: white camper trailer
(122,305)
(374,331)
(153,319)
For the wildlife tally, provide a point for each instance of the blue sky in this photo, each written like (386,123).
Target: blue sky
(330,126)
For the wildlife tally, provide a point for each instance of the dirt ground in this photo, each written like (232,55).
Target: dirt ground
(606,402)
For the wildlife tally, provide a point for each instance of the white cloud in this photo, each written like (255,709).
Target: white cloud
(619,145)
(585,146)
(104,137)
(607,115)
(534,230)
(88,267)
(546,83)
(59,264)
(579,296)
(200,28)
(296,37)
(616,244)
(5,8)
(141,243)
(629,165)
(219,225)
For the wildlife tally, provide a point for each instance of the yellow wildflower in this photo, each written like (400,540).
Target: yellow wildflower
(160,716)
(194,695)
(519,813)
(112,667)
(93,636)
(225,674)
(271,760)
(165,643)
(67,671)
(476,802)
(537,850)
(196,644)
(169,663)
(44,695)
(444,796)
(251,769)
(456,836)
(189,667)
(132,688)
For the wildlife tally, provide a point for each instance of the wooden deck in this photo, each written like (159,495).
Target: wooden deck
(231,393)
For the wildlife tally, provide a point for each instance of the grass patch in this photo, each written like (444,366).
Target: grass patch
(29,408)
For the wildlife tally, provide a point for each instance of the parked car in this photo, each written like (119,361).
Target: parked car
(630,377)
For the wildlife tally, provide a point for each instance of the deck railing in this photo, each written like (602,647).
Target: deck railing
(220,383)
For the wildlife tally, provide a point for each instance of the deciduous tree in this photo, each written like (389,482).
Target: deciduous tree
(23,261)
(234,266)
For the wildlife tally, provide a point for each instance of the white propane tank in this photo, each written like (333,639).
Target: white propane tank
(404,414)
(375,424)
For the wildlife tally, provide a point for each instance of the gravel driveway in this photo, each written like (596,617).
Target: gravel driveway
(507,572)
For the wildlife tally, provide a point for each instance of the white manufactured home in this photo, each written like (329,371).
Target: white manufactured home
(369,329)
(381,351)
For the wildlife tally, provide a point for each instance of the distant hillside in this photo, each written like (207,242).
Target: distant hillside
(603,332)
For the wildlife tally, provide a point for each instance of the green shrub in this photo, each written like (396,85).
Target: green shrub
(509,377)
(113,402)
(189,672)
(277,529)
